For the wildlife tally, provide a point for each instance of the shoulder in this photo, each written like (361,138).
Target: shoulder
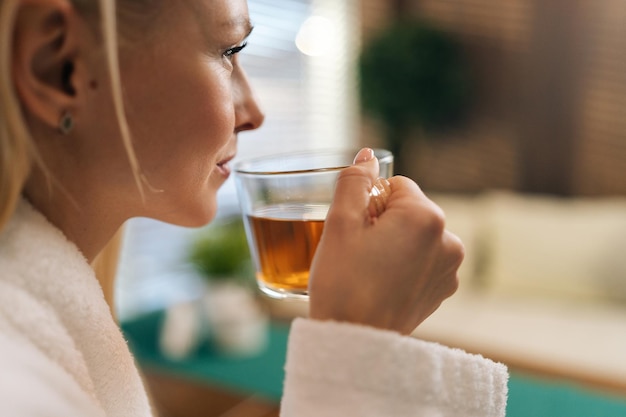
(39,360)
(34,385)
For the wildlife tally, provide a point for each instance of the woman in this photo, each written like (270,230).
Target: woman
(94,133)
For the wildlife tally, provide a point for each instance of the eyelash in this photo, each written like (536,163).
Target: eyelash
(230,53)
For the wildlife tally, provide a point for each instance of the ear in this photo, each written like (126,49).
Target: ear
(46,66)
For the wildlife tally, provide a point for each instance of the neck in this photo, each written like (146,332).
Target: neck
(90,233)
(85,220)
(96,234)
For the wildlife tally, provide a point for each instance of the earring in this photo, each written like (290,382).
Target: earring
(66,123)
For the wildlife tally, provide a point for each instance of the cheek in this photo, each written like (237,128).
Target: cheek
(209,112)
(182,112)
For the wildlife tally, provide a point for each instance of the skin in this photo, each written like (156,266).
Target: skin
(391,271)
(186,101)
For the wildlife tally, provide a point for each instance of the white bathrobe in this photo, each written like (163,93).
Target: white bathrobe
(62,354)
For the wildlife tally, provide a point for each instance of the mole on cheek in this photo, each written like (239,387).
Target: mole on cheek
(93,84)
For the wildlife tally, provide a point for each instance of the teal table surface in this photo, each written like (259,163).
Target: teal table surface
(263,375)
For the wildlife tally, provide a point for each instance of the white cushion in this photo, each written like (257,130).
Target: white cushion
(555,247)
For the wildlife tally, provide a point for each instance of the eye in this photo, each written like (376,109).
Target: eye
(231,52)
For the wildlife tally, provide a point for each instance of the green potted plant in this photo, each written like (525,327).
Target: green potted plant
(237,323)
(413,80)
(220,254)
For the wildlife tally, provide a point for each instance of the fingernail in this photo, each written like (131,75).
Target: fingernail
(364,155)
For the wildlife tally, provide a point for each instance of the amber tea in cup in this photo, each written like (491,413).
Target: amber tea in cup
(284,201)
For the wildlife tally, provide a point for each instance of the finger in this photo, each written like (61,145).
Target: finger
(403,186)
(379,195)
(352,191)
(455,248)
(422,218)
(454,252)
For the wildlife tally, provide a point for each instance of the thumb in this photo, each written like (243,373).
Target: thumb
(352,191)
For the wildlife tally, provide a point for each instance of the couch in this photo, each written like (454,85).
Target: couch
(543,285)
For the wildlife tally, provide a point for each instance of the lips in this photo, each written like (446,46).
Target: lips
(223,167)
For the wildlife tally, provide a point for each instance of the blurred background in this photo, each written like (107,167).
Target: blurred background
(510,115)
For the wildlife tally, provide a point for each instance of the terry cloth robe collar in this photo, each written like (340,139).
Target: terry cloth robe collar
(41,263)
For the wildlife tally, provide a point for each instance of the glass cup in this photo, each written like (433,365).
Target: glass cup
(284,200)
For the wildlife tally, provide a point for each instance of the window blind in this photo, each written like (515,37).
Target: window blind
(550,83)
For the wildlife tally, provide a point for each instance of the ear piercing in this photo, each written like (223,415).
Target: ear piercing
(66,123)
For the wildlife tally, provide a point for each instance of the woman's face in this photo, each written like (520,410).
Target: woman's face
(186,100)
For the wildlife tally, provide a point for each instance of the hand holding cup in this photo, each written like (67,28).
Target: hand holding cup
(391,271)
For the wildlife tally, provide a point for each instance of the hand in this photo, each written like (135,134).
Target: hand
(390,271)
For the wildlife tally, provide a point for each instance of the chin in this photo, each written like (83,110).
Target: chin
(191,213)
(204,215)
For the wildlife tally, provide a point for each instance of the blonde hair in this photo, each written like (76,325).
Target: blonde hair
(17,150)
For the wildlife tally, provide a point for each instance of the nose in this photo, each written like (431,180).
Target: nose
(248,113)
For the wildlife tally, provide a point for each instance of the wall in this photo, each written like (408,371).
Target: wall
(549,114)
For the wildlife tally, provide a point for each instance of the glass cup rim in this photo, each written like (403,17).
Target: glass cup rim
(242,167)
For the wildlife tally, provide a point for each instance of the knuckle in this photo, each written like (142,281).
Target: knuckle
(455,253)
(449,285)
(457,249)
(405,183)
(425,219)
(433,221)
(453,285)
